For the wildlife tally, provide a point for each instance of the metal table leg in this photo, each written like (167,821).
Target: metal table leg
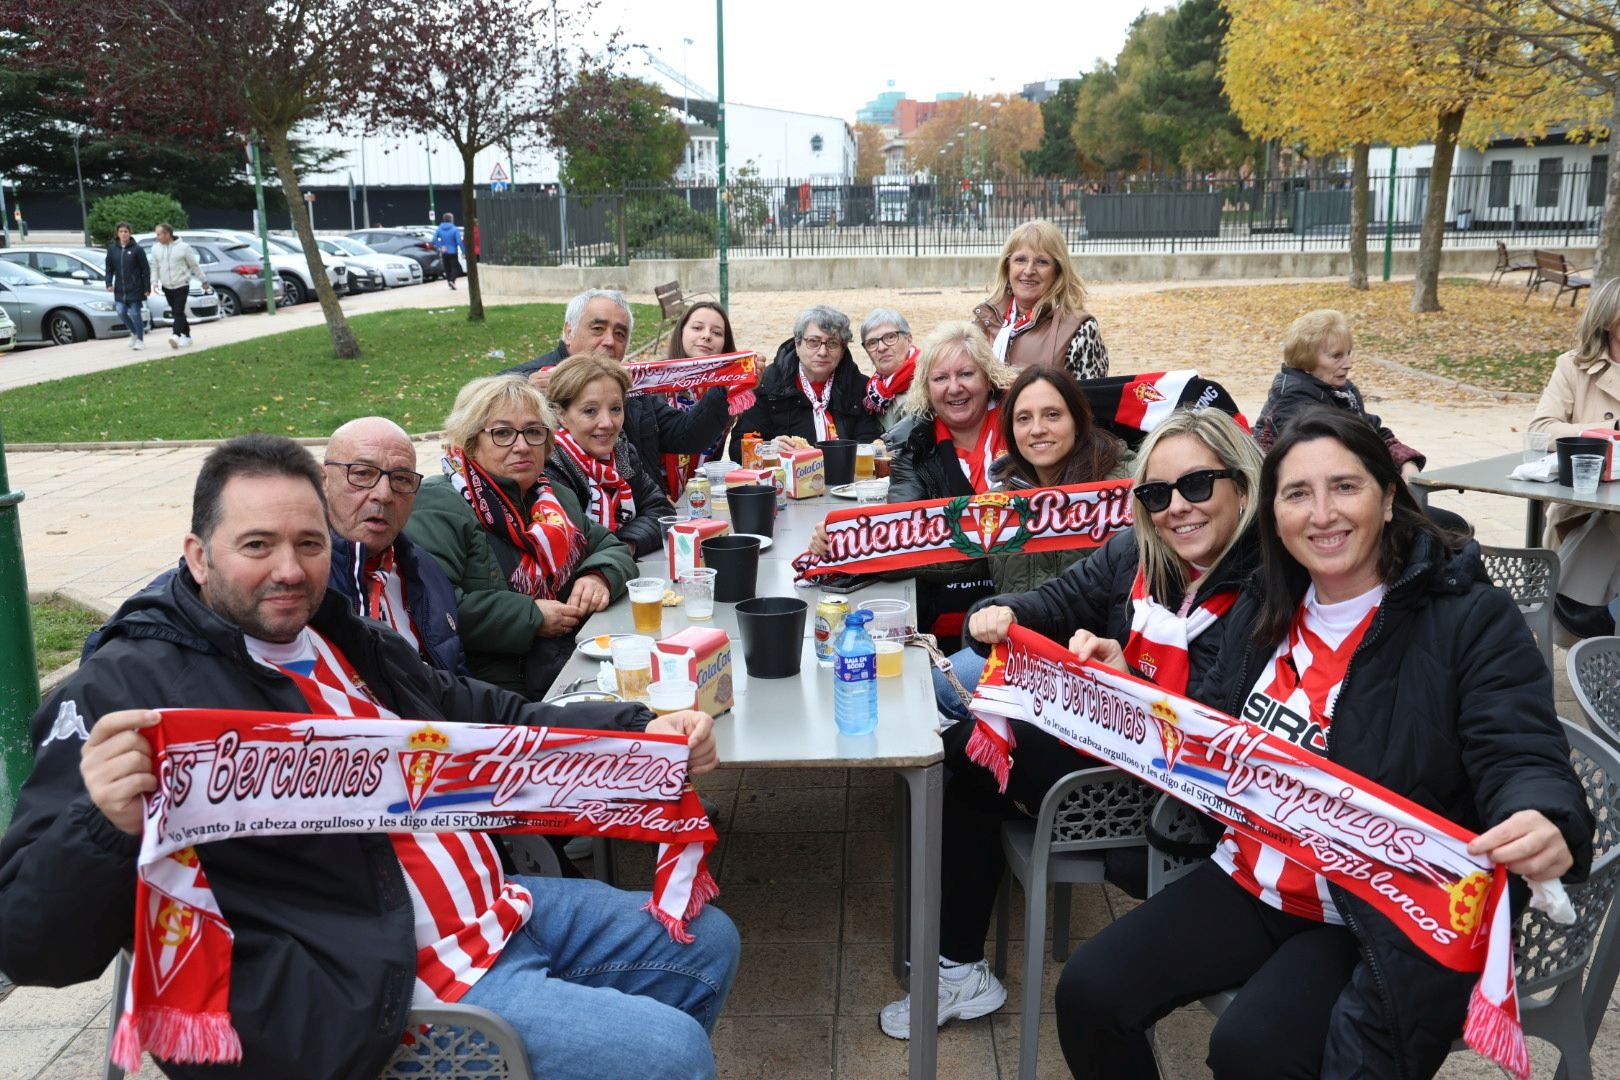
(1535,520)
(919,896)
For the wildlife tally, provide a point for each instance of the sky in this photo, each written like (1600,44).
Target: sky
(833,56)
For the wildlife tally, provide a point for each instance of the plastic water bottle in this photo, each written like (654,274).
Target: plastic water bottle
(855,677)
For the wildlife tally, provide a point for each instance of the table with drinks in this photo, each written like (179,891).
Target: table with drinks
(1493,476)
(785,692)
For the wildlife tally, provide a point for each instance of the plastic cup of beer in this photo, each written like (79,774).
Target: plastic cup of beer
(647,604)
(890,658)
(865,461)
(632,665)
(672,695)
(697,586)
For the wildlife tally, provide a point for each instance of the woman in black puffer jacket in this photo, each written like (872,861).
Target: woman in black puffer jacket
(1371,637)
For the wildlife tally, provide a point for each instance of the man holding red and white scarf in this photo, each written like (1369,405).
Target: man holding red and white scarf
(335,935)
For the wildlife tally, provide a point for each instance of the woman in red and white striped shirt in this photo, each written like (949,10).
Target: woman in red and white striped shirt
(1373,638)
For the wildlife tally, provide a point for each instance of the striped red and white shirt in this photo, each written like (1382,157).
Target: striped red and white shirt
(466,910)
(1294,698)
(385,597)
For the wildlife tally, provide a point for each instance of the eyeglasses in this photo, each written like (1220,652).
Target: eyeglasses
(363,477)
(501,435)
(1195,487)
(816,344)
(886,340)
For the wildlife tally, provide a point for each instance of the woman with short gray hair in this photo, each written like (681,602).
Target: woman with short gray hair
(886,337)
(813,390)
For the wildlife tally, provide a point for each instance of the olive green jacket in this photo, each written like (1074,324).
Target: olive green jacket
(498,626)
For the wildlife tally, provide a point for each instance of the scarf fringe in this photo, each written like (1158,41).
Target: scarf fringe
(737,404)
(983,749)
(1495,1032)
(704,889)
(175,1035)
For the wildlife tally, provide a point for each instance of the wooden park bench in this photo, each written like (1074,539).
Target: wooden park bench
(672,304)
(1511,262)
(1552,267)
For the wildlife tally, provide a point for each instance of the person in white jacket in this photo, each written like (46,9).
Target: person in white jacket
(174,266)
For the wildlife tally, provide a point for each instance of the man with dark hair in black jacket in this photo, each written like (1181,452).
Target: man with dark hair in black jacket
(599,321)
(335,936)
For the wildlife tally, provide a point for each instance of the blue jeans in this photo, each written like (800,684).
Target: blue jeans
(596,987)
(131,316)
(968,666)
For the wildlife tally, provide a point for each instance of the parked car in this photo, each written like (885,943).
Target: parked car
(88,267)
(337,268)
(290,267)
(235,271)
(8,332)
(403,242)
(396,270)
(48,312)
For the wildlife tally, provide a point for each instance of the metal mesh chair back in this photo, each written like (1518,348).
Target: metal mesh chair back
(1594,674)
(1530,576)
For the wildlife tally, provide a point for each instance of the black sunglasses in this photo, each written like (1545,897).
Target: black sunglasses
(1195,487)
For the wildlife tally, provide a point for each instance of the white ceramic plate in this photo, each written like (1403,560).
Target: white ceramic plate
(590,648)
(847,491)
(765,542)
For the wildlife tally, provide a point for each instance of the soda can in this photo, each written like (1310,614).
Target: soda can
(697,496)
(830,614)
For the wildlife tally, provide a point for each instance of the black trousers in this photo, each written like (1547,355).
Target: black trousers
(1202,935)
(178,299)
(452,267)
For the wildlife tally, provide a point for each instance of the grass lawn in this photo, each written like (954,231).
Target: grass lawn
(1485,336)
(59,632)
(413,363)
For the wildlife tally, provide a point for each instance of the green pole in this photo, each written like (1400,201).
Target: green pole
(1389,218)
(433,213)
(267,271)
(722,196)
(19,679)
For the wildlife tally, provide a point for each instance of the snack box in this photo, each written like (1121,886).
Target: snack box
(739,477)
(684,543)
(702,654)
(750,450)
(806,472)
(1611,471)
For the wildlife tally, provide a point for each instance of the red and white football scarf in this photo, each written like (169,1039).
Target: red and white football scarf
(1406,861)
(232,773)
(826,427)
(385,596)
(895,536)
(549,544)
(610,492)
(737,372)
(1133,405)
(1013,323)
(1157,645)
(976,460)
(881,390)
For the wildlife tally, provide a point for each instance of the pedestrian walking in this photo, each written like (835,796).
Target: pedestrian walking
(129,279)
(174,267)
(448,240)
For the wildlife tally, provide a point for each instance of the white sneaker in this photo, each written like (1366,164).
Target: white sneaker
(174,341)
(979,993)
(130,344)
(185,340)
(137,344)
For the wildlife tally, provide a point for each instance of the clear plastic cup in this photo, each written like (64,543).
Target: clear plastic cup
(672,695)
(632,665)
(890,618)
(1585,469)
(716,473)
(669,521)
(1537,445)
(697,586)
(871,491)
(890,658)
(647,603)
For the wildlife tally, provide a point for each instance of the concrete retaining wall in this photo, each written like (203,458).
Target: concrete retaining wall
(809,274)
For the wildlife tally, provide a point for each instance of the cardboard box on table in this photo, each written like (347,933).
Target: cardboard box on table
(1611,468)
(684,543)
(739,477)
(806,472)
(702,654)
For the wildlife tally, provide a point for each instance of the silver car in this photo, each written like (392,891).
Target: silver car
(8,332)
(200,306)
(235,272)
(47,312)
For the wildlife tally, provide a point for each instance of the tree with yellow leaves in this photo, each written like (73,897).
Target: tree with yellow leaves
(976,136)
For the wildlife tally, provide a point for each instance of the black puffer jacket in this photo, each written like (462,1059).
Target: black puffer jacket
(1447,702)
(128,272)
(780,407)
(429,596)
(324,959)
(641,533)
(1293,391)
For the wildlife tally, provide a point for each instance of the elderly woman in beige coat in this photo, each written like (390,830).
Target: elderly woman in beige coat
(1584,392)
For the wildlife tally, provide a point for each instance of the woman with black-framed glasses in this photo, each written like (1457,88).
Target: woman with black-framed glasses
(528,565)
(1148,596)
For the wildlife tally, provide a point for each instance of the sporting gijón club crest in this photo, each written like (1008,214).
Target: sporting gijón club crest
(428,751)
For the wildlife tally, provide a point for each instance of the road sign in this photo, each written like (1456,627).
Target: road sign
(499,185)
(498,175)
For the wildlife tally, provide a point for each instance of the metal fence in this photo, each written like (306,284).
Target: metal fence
(785,219)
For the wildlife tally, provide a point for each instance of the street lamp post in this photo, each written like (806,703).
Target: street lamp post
(84,215)
(722,196)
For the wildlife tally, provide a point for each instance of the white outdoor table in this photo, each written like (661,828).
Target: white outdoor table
(1492,476)
(788,723)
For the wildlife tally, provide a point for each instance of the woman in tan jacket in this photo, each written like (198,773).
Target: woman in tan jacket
(1584,392)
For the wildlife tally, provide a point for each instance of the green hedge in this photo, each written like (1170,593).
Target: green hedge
(142,209)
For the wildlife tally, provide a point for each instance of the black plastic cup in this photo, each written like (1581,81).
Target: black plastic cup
(840,457)
(1569,446)
(735,560)
(753,508)
(772,631)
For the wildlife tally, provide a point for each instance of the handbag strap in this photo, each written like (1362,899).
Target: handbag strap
(941,662)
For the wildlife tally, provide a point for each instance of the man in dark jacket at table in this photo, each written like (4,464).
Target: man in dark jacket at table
(329,954)
(599,321)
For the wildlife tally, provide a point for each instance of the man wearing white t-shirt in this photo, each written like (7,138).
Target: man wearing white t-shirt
(335,936)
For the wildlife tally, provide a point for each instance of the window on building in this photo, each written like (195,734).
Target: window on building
(1501,186)
(1597,181)
(1549,173)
